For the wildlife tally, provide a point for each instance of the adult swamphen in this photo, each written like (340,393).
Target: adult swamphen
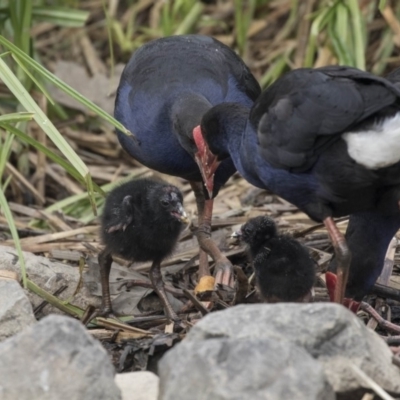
(141,221)
(328,141)
(283,267)
(166,87)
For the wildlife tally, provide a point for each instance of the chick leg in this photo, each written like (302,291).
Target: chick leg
(158,285)
(223,267)
(105,261)
(343,256)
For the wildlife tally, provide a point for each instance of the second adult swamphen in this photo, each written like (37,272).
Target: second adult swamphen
(165,89)
(328,141)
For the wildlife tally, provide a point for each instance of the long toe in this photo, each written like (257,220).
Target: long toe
(103,312)
(331,282)
(224,275)
(172,315)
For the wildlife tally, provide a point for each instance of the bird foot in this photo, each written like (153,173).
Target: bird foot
(104,312)
(331,281)
(128,284)
(224,275)
(171,315)
(175,319)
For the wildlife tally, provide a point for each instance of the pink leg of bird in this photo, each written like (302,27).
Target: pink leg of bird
(223,266)
(208,165)
(337,284)
(204,268)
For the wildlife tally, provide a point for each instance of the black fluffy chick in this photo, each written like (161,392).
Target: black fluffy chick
(142,220)
(283,267)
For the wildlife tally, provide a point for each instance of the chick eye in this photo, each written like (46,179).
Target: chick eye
(165,203)
(247,231)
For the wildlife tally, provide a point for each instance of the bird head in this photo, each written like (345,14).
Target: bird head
(171,201)
(256,231)
(206,160)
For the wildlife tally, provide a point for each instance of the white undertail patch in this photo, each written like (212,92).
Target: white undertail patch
(377,147)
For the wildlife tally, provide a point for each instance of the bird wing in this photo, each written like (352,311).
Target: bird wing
(122,216)
(307,109)
(244,78)
(260,260)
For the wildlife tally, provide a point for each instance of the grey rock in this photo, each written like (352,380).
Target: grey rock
(142,385)
(50,276)
(55,359)
(328,332)
(235,369)
(15,309)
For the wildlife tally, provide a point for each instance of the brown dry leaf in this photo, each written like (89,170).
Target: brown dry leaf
(96,88)
(206,284)
(8,275)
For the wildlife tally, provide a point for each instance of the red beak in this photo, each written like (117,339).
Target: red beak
(206,160)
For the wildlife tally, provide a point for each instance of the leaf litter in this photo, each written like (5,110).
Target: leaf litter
(69,232)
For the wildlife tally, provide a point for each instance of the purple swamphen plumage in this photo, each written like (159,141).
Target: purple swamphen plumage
(328,141)
(165,89)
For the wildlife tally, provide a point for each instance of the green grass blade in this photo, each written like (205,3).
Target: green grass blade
(67,17)
(36,81)
(54,301)
(359,33)
(43,149)
(16,117)
(5,150)
(383,53)
(70,169)
(338,34)
(341,22)
(340,48)
(32,64)
(73,200)
(14,233)
(190,20)
(274,71)
(21,17)
(40,117)
(321,19)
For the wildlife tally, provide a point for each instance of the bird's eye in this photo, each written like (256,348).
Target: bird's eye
(247,231)
(165,203)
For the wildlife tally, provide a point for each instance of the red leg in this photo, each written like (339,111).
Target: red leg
(343,256)
(223,266)
(197,187)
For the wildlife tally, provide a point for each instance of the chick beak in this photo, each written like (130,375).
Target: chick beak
(207,161)
(236,234)
(180,214)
